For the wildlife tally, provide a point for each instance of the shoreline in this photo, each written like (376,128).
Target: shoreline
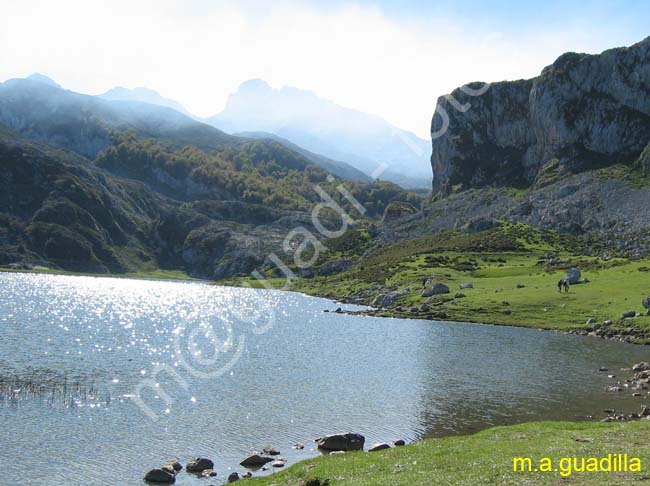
(632,337)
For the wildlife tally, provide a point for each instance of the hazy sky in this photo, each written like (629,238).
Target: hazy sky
(391,58)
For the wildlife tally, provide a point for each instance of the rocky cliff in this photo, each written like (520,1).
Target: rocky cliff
(582,112)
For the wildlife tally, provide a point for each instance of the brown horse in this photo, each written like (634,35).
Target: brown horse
(563,283)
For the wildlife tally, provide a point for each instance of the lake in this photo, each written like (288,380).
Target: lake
(102,379)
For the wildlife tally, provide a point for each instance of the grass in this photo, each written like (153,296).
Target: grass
(512,286)
(483,458)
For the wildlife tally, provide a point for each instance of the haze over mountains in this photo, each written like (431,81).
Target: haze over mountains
(348,143)
(97,185)
(144,95)
(362,140)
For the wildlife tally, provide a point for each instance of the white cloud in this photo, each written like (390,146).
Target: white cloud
(198,52)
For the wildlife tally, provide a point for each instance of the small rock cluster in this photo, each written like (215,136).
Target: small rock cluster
(333,444)
(638,383)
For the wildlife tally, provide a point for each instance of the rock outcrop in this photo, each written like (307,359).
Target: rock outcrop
(582,112)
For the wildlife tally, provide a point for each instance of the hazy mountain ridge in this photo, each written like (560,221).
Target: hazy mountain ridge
(335,167)
(321,126)
(119,186)
(144,95)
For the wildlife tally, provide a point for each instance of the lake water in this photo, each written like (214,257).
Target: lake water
(237,369)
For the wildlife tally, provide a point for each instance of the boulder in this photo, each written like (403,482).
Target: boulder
(520,286)
(255,460)
(271,451)
(278,463)
(629,314)
(643,366)
(159,476)
(467,285)
(646,303)
(199,464)
(573,276)
(168,468)
(459,295)
(174,464)
(399,443)
(436,289)
(383,300)
(298,446)
(341,442)
(233,477)
(378,447)
(591,320)
(208,473)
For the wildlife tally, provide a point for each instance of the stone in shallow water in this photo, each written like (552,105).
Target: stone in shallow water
(199,464)
(174,464)
(255,460)
(341,442)
(271,451)
(378,447)
(643,366)
(159,476)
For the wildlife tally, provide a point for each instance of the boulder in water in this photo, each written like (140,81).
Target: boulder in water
(255,460)
(199,464)
(341,442)
(378,447)
(160,476)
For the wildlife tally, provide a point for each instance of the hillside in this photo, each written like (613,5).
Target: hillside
(111,186)
(335,167)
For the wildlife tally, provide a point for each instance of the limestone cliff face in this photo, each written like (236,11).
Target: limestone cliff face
(585,110)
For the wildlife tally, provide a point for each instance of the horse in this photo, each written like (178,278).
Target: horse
(563,283)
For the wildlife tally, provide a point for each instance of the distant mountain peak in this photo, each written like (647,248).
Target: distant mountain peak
(254,85)
(144,95)
(321,126)
(42,78)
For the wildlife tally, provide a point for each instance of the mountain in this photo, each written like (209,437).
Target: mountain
(41,78)
(94,185)
(144,95)
(84,124)
(335,167)
(321,126)
(582,112)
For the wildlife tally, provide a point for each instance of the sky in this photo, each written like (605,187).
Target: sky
(390,58)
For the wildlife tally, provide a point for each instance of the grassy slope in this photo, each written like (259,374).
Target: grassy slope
(483,458)
(496,262)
